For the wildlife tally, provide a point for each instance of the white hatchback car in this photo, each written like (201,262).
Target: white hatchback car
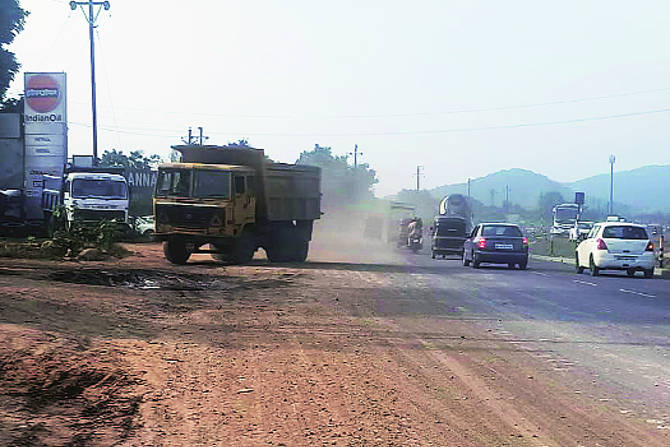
(616,246)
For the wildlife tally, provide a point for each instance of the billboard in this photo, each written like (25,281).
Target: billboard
(45,109)
(45,126)
(141,183)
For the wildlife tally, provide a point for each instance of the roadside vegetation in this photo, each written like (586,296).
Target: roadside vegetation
(85,242)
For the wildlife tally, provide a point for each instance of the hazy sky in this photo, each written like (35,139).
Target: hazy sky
(463,88)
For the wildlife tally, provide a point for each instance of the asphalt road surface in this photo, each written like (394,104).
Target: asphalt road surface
(614,327)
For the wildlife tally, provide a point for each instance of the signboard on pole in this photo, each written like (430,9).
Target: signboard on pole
(45,126)
(45,109)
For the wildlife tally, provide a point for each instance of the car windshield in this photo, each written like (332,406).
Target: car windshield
(585,225)
(625,232)
(501,231)
(107,189)
(451,227)
(174,182)
(212,184)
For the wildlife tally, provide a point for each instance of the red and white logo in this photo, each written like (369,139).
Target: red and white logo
(43,93)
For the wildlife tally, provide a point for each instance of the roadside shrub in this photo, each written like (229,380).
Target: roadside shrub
(103,235)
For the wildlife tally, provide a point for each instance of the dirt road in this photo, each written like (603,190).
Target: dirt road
(344,350)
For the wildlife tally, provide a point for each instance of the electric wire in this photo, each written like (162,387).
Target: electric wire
(133,131)
(411,114)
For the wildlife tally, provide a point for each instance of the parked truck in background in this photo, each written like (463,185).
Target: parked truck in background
(236,201)
(86,195)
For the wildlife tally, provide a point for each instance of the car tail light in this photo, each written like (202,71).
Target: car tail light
(481,243)
(601,245)
(525,241)
(650,246)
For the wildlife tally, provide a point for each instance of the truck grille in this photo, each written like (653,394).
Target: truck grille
(187,216)
(98,215)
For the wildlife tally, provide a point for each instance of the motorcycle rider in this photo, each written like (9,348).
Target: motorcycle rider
(414,230)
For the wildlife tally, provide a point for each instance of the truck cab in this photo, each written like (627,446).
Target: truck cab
(92,197)
(88,195)
(204,199)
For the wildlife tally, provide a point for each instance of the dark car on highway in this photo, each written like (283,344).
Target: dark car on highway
(448,233)
(496,243)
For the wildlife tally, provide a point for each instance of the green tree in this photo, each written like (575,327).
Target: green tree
(12,19)
(135,160)
(239,143)
(341,183)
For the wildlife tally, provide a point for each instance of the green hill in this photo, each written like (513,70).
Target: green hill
(645,189)
(525,188)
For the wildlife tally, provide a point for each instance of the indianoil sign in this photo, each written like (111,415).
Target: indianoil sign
(45,103)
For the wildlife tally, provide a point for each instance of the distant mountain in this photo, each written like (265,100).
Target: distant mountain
(645,189)
(525,188)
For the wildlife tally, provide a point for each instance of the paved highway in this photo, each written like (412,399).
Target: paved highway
(611,329)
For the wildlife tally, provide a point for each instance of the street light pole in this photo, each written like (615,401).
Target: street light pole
(612,160)
(91,19)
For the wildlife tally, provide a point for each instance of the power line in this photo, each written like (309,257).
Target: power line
(401,132)
(410,114)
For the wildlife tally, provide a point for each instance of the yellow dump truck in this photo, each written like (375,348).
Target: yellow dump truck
(230,201)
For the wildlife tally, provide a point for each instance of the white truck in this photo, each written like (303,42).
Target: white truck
(565,217)
(87,195)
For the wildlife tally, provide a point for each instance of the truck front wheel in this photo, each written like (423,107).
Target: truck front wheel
(176,252)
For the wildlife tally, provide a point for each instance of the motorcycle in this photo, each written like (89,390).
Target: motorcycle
(415,243)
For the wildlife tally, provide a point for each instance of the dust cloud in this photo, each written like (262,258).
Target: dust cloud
(345,236)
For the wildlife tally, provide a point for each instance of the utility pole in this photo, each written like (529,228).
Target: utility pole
(507,198)
(91,19)
(418,177)
(612,160)
(355,153)
(468,187)
(192,139)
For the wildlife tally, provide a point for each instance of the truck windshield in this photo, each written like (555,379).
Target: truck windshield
(212,184)
(174,182)
(566,214)
(107,189)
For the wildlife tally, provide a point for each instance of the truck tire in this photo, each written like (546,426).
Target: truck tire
(277,253)
(300,251)
(176,252)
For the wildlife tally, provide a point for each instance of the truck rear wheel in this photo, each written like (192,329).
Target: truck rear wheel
(300,251)
(278,252)
(176,252)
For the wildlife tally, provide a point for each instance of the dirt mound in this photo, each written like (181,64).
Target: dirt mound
(56,392)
